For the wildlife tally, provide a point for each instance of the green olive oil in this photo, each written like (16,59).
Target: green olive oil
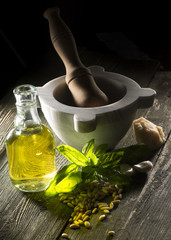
(31,158)
(30,146)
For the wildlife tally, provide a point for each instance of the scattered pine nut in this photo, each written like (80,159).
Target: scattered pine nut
(87,224)
(74,226)
(65,236)
(111,233)
(102,217)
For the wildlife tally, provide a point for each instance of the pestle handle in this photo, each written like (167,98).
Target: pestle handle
(62,40)
(79,78)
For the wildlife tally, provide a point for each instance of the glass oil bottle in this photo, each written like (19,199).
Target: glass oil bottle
(30,145)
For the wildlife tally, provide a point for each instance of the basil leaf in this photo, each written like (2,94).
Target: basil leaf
(114,176)
(130,155)
(101,149)
(69,183)
(72,167)
(73,155)
(88,173)
(88,148)
(135,154)
(59,177)
(110,159)
(93,159)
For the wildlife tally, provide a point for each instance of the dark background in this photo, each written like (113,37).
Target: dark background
(24,34)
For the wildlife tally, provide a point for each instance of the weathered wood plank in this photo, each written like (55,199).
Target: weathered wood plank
(150,218)
(5,126)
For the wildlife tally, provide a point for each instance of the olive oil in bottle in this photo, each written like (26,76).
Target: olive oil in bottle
(30,145)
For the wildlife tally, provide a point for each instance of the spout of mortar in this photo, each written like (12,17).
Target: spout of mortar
(146,97)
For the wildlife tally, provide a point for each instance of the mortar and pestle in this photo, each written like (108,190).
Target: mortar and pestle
(75,106)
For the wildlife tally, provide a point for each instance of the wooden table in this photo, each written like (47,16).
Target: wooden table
(144,212)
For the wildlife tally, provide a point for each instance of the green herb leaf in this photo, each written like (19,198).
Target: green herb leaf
(72,167)
(88,173)
(88,148)
(114,176)
(135,154)
(100,150)
(69,183)
(73,155)
(93,159)
(51,191)
(110,159)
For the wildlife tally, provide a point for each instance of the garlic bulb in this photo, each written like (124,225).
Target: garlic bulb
(148,133)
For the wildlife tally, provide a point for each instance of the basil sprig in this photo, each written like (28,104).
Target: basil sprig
(95,163)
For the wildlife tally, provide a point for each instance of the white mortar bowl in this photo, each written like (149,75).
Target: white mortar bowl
(107,124)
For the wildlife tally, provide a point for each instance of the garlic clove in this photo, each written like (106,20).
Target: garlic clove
(143,167)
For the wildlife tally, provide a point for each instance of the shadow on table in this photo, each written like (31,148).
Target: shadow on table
(51,204)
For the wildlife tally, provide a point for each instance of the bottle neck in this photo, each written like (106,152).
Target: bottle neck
(27,117)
